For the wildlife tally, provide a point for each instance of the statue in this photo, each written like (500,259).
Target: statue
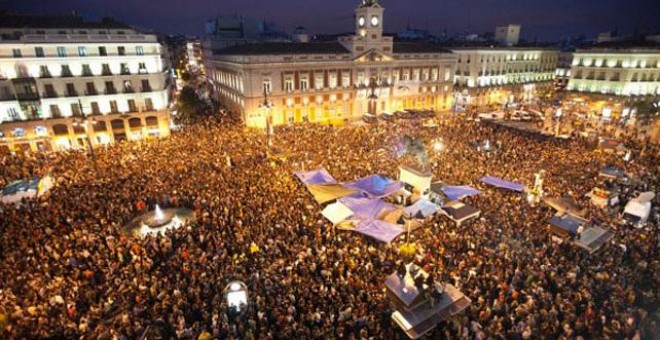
(415,148)
(369,3)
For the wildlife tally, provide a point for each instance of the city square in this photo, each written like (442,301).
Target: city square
(360,187)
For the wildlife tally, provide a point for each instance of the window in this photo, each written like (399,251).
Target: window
(345,79)
(44,72)
(90,89)
(148,104)
(318,81)
(142,68)
(103,51)
(41,130)
(131,105)
(139,50)
(71,90)
(55,111)
(110,88)
(124,69)
(49,91)
(113,106)
(105,70)
(66,72)
(61,51)
(266,85)
(146,87)
(332,80)
(288,84)
(304,83)
(16,52)
(86,71)
(121,50)
(19,132)
(95,108)
(75,110)
(82,51)
(128,87)
(13,114)
(39,52)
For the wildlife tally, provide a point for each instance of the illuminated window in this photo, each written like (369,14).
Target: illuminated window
(41,131)
(304,83)
(139,50)
(82,51)
(288,84)
(19,132)
(266,85)
(61,51)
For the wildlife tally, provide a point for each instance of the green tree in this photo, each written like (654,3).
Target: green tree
(189,103)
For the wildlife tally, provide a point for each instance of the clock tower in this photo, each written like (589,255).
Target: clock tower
(368,30)
(369,20)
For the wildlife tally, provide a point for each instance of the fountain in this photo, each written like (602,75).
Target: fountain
(159,221)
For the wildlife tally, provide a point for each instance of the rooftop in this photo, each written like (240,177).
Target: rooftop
(64,21)
(419,47)
(274,48)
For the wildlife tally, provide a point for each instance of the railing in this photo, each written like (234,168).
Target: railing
(129,90)
(110,91)
(91,92)
(89,37)
(147,89)
(49,94)
(72,93)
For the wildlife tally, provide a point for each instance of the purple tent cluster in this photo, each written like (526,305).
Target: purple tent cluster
(457,192)
(320,176)
(500,183)
(375,186)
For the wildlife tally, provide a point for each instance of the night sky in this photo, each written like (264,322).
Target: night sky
(541,19)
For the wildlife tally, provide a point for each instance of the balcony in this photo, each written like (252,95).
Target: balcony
(147,89)
(87,74)
(45,75)
(91,92)
(27,96)
(72,93)
(129,90)
(110,91)
(66,74)
(49,94)
(125,72)
(106,73)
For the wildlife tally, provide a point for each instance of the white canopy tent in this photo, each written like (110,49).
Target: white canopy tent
(337,212)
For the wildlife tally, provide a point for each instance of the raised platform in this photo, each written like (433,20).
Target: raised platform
(424,318)
(593,238)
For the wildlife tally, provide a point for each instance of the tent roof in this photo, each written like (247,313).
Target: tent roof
(367,208)
(563,205)
(319,176)
(458,192)
(567,222)
(20,187)
(375,185)
(337,212)
(612,171)
(500,183)
(459,210)
(422,208)
(324,193)
(380,230)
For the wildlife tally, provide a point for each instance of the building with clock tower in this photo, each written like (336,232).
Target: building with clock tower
(333,82)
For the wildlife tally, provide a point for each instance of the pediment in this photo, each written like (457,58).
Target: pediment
(373,56)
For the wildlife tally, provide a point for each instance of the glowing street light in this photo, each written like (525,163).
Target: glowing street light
(438,146)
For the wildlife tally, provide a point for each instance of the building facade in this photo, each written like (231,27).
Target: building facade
(61,87)
(488,76)
(616,72)
(333,82)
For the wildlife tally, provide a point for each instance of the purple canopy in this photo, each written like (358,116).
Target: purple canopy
(500,183)
(320,176)
(375,186)
(457,192)
(366,208)
(380,230)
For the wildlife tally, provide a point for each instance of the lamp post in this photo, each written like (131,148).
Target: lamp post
(83,121)
(267,105)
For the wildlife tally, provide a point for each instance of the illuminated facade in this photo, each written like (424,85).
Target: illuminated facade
(55,82)
(616,72)
(333,82)
(502,75)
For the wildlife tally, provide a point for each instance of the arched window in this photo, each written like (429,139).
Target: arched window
(152,121)
(135,122)
(117,123)
(60,130)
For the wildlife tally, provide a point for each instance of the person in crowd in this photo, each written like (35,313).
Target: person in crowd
(67,269)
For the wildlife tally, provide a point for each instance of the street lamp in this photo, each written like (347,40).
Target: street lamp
(267,105)
(82,122)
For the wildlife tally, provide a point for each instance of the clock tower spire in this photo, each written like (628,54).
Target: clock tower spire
(368,30)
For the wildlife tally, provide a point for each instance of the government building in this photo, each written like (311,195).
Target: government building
(65,83)
(333,82)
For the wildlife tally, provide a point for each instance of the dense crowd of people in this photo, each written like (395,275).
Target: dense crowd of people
(67,270)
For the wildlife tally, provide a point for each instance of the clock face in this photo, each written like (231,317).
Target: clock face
(374,21)
(361,21)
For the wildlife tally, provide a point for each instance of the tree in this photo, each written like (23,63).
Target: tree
(189,103)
